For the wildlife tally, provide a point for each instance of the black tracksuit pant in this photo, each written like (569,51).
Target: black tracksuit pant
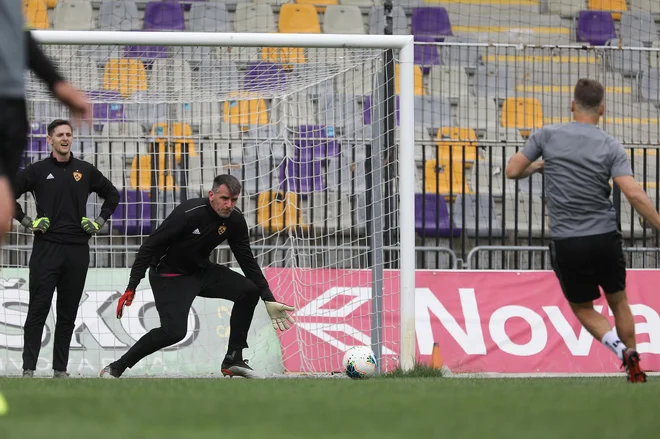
(174,297)
(61,266)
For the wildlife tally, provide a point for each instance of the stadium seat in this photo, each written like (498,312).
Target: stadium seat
(299,19)
(419,80)
(254,18)
(638,26)
(106,105)
(37,146)
(377,20)
(319,4)
(595,27)
(209,17)
(346,173)
(343,20)
(432,217)
(245,109)
(294,109)
(432,22)
(522,113)
(121,15)
(630,63)
(494,82)
(358,2)
(73,15)
(566,8)
(186,4)
(426,55)
(445,177)
(651,6)
(479,113)
(302,175)
(140,177)
(615,6)
(177,134)
(287,56)
(133,214)
(476,215)
(341,110)
(36,14)
(127,76)
(146,108)
(51,3)
(462,142)
(450,81)
(316,142)
(279,211)
(264,77)
(171,76)
(163,16)
(650,86)
(80,69)
(463,56)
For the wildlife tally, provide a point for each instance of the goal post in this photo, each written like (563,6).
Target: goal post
(302,249)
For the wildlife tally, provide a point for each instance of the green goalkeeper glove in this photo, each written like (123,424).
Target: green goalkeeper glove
(279,316)
(90,226)
(39,225)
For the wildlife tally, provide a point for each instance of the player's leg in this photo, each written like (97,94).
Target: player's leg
(174,297)
(70,287)
(44,272)
(220,282)
(13,138)
(612,278)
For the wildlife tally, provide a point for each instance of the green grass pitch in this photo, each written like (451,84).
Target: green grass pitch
(409,408)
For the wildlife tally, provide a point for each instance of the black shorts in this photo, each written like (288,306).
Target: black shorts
(13,135)
(583,264)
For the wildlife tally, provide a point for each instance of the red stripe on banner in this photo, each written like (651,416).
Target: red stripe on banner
(507,322)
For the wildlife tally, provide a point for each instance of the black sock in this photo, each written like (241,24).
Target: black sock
(119,365)
(234,355)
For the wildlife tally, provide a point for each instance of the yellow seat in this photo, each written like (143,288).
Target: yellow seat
(299,19)
(141,173)
(284,55)
(452,140)
(125,75)
(36,14)
(320,4)
(278,211)
(245,110)
(609,5)
(522,113)
(457,133)
(444,179)
(419,81)
(51,3)
(178,134)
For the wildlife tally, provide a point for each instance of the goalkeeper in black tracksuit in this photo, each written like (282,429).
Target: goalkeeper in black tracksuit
(177,253)
(61,185)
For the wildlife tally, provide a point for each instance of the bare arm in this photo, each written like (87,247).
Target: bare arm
(638,199)
(520,166)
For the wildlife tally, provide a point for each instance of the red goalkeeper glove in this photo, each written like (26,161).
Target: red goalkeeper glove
(125,300)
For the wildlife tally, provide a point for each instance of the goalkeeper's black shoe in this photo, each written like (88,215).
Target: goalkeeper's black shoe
(110,372)
(239,368)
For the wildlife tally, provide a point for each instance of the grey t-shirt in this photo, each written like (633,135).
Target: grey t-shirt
(13,53)
(580,159)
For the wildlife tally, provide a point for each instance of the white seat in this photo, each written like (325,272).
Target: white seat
(254,18)
(171,76)
(73,15)
(118,15)
(295,109)
(451,82)
(480,113)
(343,20)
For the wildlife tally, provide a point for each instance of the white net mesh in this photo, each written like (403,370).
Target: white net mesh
(304,130)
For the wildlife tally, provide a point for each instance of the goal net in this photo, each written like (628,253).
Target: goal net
(312,133)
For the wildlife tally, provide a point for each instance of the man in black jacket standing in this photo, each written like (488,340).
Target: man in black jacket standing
(61,185)
(177,253)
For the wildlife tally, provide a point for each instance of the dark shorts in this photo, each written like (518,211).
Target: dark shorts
(13,135)
(583,264)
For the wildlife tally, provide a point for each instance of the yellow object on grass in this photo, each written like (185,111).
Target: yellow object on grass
(3,405)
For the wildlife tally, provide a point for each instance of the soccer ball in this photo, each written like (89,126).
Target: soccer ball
(359,363)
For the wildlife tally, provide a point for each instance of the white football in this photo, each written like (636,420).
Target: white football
(359,362)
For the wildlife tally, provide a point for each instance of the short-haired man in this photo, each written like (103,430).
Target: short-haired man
(61,185)
(579,160)
(177,253)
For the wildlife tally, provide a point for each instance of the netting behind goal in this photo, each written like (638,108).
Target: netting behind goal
(308,134)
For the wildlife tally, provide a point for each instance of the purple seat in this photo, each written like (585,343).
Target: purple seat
(109,108)
(185,3)
(426,55)
(145,52)
(133,214)
(315,142)
(431,21)
(595,27)
(432,217)
(163,16)
(37,146)
(264,77)
(301,176)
